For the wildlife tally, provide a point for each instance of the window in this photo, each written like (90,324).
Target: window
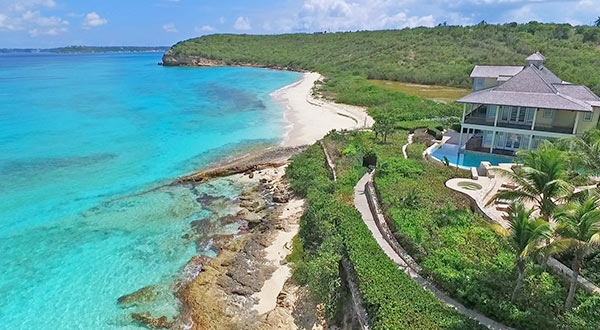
(530,114)
(506,113)
(514,114)
(487,138)
(522,114)
(479,84)
(490,115)
(548,113)
(588,116)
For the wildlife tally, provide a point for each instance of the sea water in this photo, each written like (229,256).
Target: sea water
(88,145)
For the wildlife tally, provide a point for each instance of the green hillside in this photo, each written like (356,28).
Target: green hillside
(443,55)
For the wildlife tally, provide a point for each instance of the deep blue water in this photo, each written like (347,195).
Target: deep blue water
(86,144)
(467,159)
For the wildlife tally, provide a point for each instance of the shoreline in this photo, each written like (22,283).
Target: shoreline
(261,246)
(310,119)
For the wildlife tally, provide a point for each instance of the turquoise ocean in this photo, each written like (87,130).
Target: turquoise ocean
(88,146)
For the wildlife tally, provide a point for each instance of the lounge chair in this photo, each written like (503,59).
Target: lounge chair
(509,185)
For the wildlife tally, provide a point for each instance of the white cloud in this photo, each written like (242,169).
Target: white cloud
(524,14)
(25,15)
(343,15)
(242,23)
(93,20)
(34,23)
(23,5)
(222,20)
(204,29)
(170,27)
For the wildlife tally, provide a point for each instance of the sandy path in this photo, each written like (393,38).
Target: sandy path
(311,119)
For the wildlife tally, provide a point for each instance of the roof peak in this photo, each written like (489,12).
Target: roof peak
(537,56)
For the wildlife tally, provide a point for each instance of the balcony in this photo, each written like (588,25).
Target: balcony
(479,117)
(555,129)
(522,119)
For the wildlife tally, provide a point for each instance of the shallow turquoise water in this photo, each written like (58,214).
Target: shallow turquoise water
(86,144)
(467,159)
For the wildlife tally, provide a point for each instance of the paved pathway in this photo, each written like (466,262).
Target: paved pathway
(361,203)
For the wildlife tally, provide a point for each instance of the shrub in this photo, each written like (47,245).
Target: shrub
(416,150)
(407,168)
(583,317)
(307,171)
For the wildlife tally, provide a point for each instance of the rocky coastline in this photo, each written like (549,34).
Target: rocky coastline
(172,59)
(222,292)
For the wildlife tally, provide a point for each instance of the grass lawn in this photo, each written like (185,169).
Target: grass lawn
(441,94)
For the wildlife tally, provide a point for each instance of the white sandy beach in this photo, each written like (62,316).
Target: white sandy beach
(311,119)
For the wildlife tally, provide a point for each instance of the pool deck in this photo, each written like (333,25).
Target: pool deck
(481,197)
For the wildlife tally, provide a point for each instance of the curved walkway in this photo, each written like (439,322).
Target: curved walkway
(361,203)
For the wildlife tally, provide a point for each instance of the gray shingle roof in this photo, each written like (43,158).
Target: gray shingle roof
(537,56)
(528,80)
(525,99)
(494,71)
(537,88)
(580,92)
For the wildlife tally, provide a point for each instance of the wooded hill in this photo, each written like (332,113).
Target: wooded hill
(442,55)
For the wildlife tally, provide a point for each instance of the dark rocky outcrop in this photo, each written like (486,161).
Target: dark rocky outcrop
(143,295)
(273,157)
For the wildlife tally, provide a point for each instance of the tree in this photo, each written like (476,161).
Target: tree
(580,228)
(541,180)
(384,126)
(597,22)
(526,236)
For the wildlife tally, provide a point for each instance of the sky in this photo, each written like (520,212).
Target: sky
(55,23)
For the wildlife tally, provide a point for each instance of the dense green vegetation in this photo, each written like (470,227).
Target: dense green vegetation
(459,250)
(331,228)
(443,55)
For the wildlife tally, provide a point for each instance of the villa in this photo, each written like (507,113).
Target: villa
(518,107)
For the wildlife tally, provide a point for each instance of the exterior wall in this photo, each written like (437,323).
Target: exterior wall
(561,118)
(482,83)
(541,121)
(583,125)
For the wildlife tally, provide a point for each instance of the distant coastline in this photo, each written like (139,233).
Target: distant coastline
(84,50)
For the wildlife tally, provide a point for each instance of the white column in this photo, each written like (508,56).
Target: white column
(460,138)
(534,119)
(464,113)
(496,119)
(576,122)
(493,140)
(530,141)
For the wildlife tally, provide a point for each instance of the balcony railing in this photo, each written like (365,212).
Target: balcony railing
(479,120)
(483,120)
(555,129)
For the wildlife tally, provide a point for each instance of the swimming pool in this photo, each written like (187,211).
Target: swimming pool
(467,159)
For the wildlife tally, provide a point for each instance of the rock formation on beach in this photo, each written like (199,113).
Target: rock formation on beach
(220,293)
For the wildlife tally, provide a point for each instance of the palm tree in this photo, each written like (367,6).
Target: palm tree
(526,235)
(580,228)
(541,180)
(584,152)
